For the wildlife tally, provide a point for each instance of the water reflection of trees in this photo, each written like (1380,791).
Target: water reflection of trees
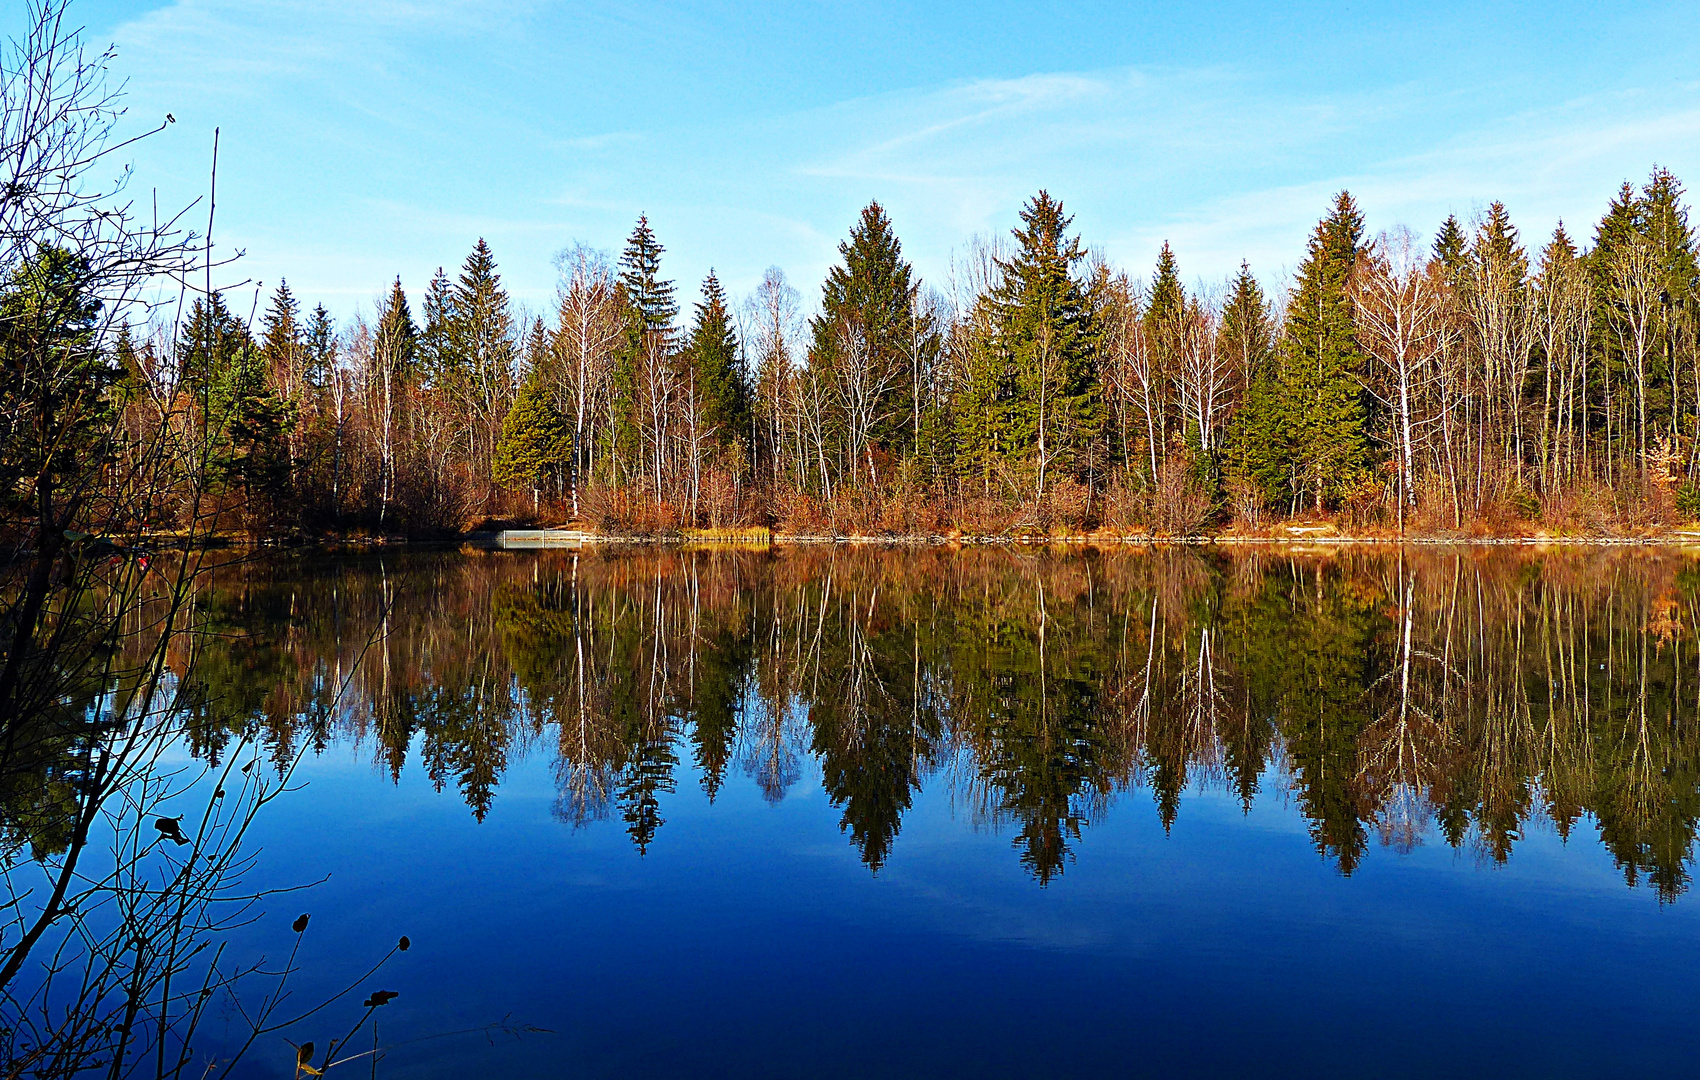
(1462,696)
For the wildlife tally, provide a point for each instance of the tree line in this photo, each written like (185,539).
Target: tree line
(1468,385)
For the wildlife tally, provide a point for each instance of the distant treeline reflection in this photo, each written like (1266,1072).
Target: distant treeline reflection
(1450,694)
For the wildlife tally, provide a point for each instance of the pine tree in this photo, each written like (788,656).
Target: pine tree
(1326,452)
(650,311)
(869,295)
(536,443)
(650,298)
(720,384)
(1247,332)
(1451,250)
(321,348)
(483,349)
(1044,327)
(396,335)
(280,341)
(437,359)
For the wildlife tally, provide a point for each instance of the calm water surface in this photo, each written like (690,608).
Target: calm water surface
(829,812)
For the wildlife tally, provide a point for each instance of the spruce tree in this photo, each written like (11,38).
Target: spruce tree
(280,341)
(397,337)
(536,443)
(650,311)
(720,385)
(1247,334)
(872,291)
(1327,454)
(321,348)
(983,401)
(1451,250)
(649,297)
(482,331)
(1248,338)
(437,366)
(1045,329)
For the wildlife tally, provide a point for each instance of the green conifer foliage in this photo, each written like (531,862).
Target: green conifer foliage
(1450,249)
(54,409)
(436,337)
(651,299)
(721,389)
(536,444)
(396,333)
(321,346)
(1045,329)
(650,311)
(482,332)
(280,339)
(1247,332)
(1320,407)
(871,293)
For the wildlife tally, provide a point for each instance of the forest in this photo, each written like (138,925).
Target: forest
(1475,385)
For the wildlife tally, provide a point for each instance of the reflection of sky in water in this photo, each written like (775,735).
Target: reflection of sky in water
(752,941)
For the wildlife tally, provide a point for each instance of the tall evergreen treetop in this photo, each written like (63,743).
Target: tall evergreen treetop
(1666,223)
(650,297)
(483,326)
(1165,302)
(1498,244)
(436,337)
(280,340)
(397,337)
(1322,363)
(871,291)
(1045,328)
(1247,333)
(321,346)
(720,381)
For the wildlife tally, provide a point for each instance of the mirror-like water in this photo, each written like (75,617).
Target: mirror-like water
(838,812)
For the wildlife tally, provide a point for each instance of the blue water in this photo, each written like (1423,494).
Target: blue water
(751,940)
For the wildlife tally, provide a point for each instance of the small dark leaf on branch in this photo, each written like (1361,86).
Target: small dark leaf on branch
(219,794)
(301,924)
(304,1053)
(381,997)
(249,766)
(404,944)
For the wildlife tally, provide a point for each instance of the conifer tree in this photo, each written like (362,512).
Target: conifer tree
(280,341)
(483,349)
(436,348)
(320,343)
(720,383)
(641,372)
(396,335)
(650,298)
(536,443)
(1248,328)
(1323,452)
(868,300)
(1451,248)
(1044,327)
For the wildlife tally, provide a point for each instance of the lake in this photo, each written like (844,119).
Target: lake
(858,811)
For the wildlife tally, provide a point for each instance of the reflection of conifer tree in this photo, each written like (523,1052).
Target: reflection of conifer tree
(721,657)
(867,730)
(1313,645)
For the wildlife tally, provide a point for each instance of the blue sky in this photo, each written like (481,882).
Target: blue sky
(365,139)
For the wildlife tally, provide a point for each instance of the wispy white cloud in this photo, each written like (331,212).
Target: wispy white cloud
(389,135)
